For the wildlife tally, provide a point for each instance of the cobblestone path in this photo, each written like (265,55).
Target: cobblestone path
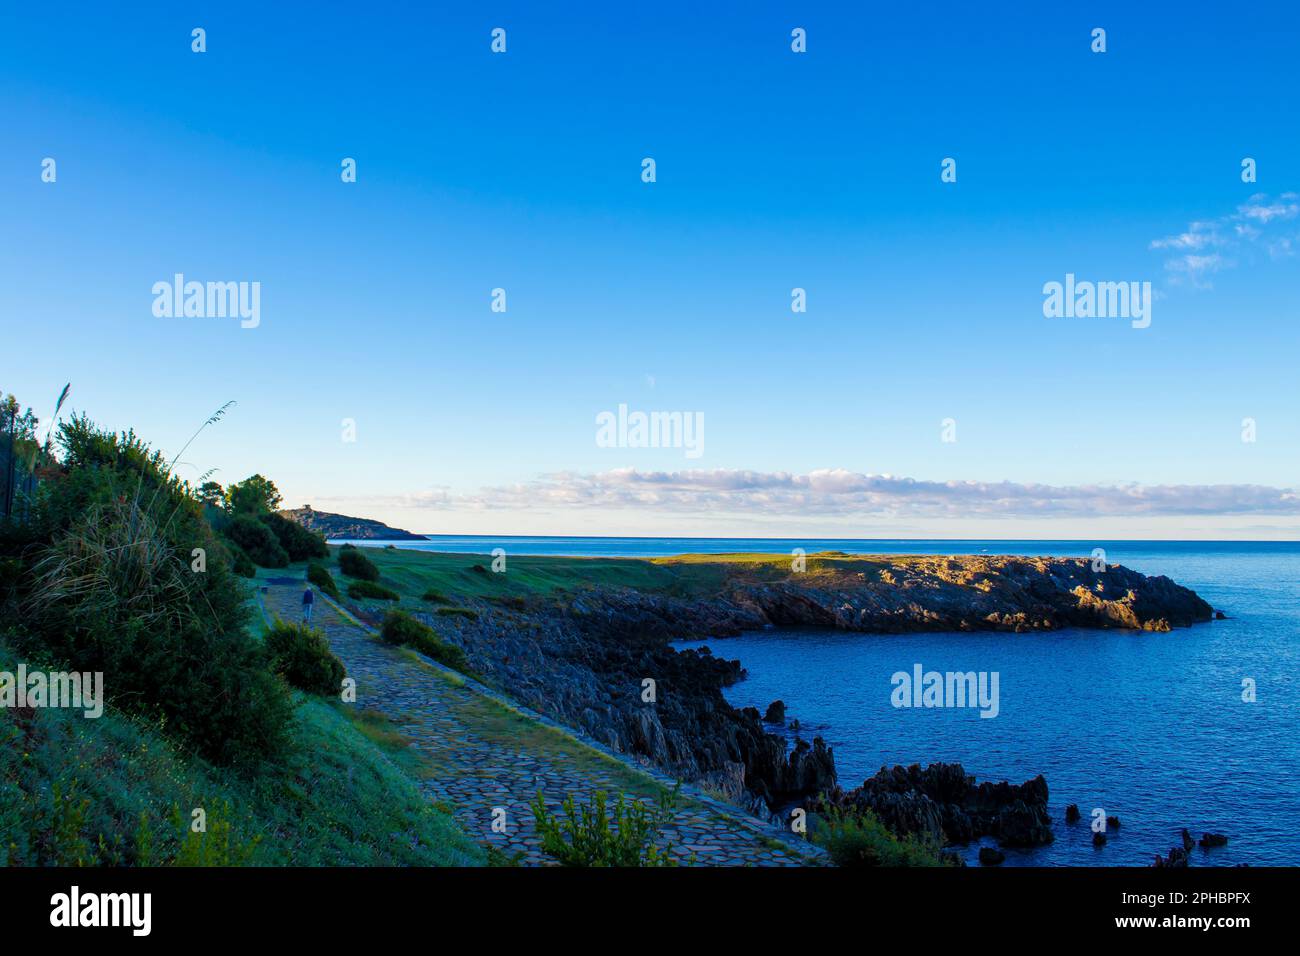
(481,755)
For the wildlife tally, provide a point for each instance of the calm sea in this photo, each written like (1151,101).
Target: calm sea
(1151,728)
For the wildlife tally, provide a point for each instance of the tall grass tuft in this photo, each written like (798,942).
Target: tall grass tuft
(592,835)
(856,838)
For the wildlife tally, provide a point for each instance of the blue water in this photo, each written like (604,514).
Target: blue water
(1149,727)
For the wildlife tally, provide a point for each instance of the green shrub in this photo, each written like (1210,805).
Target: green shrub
(258,541)
(359,590)
(400,628)
(435,597)
(590,836)
(109,586)
(299,543)
(464,612)
(496,857)
(320,576)
(858,839)
(241,564)
(444,652)
(356,565)
(302,656)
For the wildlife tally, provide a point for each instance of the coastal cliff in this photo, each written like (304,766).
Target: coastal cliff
(583,652)
(345,527)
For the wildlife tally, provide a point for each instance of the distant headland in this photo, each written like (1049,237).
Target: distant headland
(334,526)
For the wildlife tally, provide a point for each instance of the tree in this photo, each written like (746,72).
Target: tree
(13,418)
(254,495)
(18,450)
(211,493)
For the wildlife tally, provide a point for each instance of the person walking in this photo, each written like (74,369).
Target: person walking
(308,602)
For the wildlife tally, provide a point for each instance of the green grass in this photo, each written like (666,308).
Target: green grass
(379,730)
(464,612)
(343,796)
(416,573)
(778,567)
(372,591)
(440,575)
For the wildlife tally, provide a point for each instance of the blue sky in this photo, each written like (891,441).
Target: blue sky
(775,170)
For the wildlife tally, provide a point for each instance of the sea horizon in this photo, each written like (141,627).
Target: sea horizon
(643,546)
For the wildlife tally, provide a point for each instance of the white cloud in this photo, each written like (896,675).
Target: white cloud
(840,492)
(1258,222)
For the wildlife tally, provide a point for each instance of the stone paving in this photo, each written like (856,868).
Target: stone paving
(483,755)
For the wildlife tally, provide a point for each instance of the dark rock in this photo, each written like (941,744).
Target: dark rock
(1072,813)
(1023,824)
(1213,839)
(1177,859)
(990,856)
(1188,842)
(810,770)
(944,803)
(775,713)
(907,813)
(958,827)
(646,735)
(1099,839)
(1220,616)
(729,782)
(1112,822)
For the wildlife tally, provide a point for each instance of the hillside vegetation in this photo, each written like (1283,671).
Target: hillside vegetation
(214,747)
(117,791)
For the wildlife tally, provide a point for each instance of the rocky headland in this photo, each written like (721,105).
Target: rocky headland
(345,527)
(598,657)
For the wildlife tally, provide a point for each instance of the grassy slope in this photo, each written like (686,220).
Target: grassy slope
(493,721)
(344,797)
(412,573)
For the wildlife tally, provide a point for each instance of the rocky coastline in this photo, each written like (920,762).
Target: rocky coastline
(336,527)
(944,803)
(599,658)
